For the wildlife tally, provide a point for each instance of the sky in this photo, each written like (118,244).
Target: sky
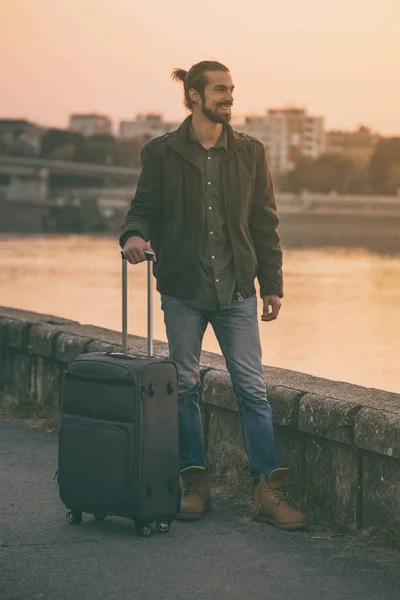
(339,59)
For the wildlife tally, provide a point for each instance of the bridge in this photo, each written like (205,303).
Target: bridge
(29,177)
(29,180)
(15,165)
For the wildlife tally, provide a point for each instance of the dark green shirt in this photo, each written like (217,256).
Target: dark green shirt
(216,276)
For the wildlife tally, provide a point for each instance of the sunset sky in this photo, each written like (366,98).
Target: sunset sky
(339,59)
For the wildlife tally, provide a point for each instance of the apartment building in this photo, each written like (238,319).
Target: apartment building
(90,124)
(357,145)
(147,126)
(287,133)
(271,130)
(20,135)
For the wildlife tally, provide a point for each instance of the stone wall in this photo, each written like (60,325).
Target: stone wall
(341,441)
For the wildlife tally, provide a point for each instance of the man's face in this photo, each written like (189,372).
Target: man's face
(218,100)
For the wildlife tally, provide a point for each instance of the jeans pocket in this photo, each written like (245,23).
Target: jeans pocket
(165,301)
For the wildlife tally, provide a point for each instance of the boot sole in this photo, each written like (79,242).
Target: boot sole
(285,526)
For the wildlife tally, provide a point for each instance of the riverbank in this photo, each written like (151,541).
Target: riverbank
(372,230)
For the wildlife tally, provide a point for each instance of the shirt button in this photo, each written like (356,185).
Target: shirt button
(210,207)
(213,257)
(211,233)
(209,183)
(209,157)
(217,280)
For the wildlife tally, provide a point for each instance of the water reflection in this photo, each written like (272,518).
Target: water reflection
(340,317)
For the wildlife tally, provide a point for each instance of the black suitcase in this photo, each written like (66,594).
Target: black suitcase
(118,442)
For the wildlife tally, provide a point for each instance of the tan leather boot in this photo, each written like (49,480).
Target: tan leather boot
(195,482)
(272,506)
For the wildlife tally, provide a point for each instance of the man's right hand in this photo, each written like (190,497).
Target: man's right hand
(134,249)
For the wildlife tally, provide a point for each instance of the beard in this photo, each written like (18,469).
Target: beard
(216,116)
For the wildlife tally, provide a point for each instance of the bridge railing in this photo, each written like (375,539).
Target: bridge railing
(61,166)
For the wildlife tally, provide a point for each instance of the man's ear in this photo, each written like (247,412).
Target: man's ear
(194,96)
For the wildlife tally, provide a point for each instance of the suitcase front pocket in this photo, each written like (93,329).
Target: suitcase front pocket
(102,398)
(95,464)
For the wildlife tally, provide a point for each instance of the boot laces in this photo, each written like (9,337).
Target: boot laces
(277,493)
(188,486)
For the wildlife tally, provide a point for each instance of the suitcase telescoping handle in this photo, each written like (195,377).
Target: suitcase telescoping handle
(149,257)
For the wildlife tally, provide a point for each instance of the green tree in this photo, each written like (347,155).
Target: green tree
(394,178)
(54,138)
(15,148)
(299,178)
(98,149)
(383,166)
(64,152)
(127,152)
(332,172)
(327,173)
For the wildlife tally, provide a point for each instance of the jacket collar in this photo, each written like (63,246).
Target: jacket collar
(180,138)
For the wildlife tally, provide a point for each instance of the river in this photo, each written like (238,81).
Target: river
(340,316)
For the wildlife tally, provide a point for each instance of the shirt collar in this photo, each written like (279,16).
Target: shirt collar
(222,142)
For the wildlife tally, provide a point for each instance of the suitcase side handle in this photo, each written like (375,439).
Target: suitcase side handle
(123,356)
(149,257)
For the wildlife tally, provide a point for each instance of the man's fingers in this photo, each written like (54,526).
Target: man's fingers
(135,256)
(134,251)
(275,311)
(268,316)
(271,315)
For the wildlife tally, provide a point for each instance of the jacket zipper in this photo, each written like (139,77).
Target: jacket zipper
(238,274)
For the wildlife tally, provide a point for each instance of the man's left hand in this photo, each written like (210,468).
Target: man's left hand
(272,306)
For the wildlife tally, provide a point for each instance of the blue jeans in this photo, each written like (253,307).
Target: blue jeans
(236,329)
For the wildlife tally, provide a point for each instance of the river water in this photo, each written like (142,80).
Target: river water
(340,316)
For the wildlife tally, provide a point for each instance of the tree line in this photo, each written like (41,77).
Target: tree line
(98,149)
(327,173)
(337,173)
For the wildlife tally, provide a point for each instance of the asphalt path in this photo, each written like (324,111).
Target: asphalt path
(223,556)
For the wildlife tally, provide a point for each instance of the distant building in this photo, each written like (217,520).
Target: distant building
(287,133)
(272,132)
(357,145)
(146,126)
(314,137)
(18,136)
(90,124)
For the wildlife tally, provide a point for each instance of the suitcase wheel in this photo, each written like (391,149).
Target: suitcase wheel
(142,529)
(163,526)
(99,517)
(74,517)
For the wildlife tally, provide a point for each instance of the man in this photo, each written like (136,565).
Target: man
(205,205)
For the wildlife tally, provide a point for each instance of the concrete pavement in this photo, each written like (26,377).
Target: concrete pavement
(223,556)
